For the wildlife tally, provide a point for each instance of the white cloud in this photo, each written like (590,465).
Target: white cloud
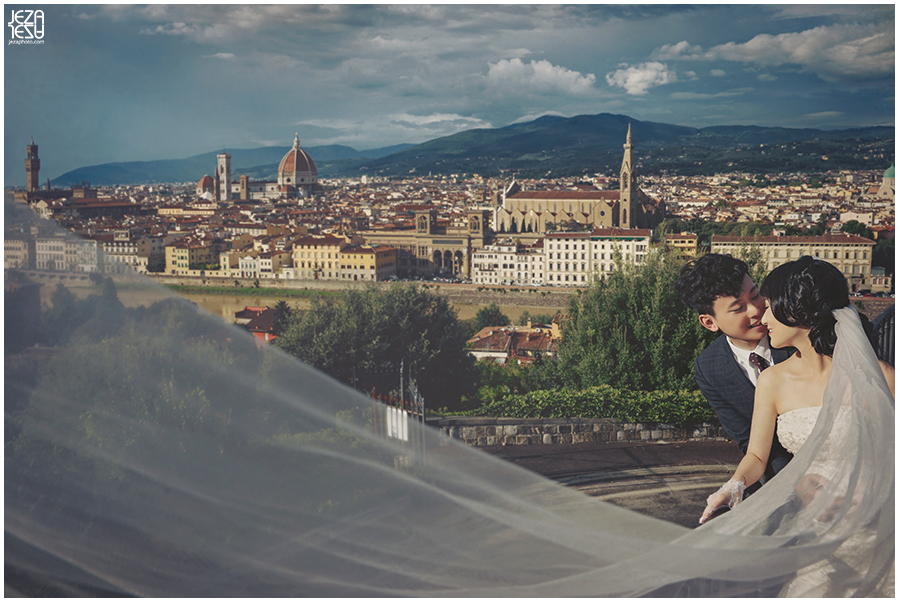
(220,23)
(716,72)
(227,56)
(534,116)
(386,130)
(702,96)
(681,50)
(766,77)
(638,79)
(538,76)
(831,52)
(822,115)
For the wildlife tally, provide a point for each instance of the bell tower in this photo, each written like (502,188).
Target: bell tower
(223,175)
(32,168)
(628,185)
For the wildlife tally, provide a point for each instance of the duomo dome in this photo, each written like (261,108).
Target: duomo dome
(297,169)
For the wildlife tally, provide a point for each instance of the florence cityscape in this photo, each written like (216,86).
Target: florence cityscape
(474,215)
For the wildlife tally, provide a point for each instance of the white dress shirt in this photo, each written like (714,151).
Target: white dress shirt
(743,357)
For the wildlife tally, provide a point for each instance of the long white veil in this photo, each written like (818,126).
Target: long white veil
(160,452)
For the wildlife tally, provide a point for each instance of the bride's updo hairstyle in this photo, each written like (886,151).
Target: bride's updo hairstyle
(804,294)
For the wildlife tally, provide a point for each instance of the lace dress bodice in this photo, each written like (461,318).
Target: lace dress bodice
(794,426)
(793,429)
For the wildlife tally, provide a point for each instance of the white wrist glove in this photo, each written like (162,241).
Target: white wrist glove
(729,495)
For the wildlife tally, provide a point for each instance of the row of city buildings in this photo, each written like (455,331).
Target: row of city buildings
(555,233)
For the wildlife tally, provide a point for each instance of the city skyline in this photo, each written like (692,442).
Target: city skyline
(134,83)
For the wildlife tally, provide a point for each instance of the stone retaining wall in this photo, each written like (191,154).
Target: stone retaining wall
(489,431)
(548,297)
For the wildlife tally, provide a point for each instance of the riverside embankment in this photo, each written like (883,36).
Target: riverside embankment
(541,297)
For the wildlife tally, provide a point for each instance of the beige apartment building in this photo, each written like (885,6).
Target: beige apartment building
(183,254)
(367,263)
(851,254)
(319,256)
(18,253)
(685,243)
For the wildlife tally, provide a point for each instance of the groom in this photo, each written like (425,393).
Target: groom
(720,289)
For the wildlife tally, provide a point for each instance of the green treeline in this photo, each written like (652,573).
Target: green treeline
(626,338)
(371,329)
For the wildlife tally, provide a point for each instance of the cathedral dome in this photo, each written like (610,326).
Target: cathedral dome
(205,183)
(889,173)
(297,168)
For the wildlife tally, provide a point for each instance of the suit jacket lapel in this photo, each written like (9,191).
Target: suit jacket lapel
(730,366)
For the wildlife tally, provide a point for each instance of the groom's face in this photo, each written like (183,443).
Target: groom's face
(739,317)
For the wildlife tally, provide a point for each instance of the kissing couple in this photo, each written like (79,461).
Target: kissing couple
(794,380)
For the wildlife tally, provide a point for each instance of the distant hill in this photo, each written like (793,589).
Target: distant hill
(554,145)
(260,164)
(593,143)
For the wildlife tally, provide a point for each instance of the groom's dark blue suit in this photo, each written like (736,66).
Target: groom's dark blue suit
(729,391)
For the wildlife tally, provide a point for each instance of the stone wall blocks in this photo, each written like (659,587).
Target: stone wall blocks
(489,431)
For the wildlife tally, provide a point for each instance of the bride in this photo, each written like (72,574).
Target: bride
(806,300)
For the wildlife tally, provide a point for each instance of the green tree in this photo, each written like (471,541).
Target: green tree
(372,329)
(752,253)
(282,317)
(631,331)
(490,316)
(883,255)
(526,316)
(857,228)
(820,227)
(95,316)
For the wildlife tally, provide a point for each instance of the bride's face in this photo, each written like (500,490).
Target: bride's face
(781,335)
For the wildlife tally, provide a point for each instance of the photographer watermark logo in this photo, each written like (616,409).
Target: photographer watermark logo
(26,27)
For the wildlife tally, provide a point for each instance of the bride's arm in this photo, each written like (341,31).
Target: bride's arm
(753,465)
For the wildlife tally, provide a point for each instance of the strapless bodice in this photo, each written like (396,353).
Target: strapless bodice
(794,426)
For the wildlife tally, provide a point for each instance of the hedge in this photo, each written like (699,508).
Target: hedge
(674,407)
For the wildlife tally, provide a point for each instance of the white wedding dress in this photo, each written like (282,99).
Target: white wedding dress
(833,576)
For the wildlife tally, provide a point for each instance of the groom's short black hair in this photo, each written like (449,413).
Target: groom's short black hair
(708,278)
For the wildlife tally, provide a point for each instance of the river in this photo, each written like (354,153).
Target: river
(224,306)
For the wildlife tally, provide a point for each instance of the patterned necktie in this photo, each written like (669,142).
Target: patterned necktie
(758,361)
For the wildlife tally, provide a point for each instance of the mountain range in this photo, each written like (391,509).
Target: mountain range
(554,145)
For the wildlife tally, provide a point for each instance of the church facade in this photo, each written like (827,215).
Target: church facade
(547,211)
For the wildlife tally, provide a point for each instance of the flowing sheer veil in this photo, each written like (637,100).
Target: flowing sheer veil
(160,452)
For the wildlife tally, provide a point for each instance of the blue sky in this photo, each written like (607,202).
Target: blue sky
(130,83)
